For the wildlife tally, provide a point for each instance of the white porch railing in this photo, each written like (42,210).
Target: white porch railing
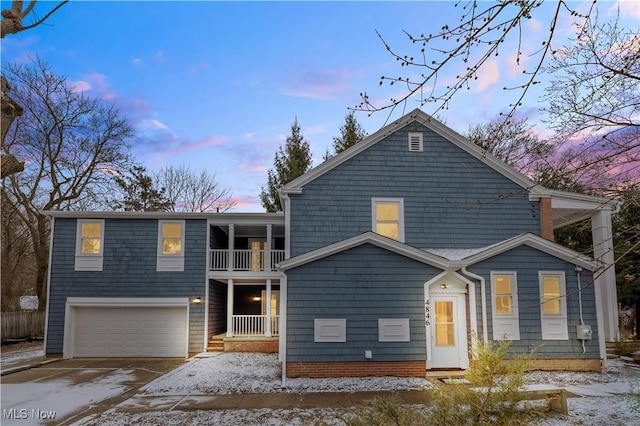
(254,325)
(244,260)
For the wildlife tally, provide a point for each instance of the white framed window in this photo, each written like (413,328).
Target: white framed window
(330,330)
(553,305)
(170,245)
(505,315)
(393,330)
(387,216)
(89,245)
(415,142)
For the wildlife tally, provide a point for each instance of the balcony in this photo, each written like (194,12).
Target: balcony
(244,260)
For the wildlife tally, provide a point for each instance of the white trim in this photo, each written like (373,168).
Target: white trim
(366,238)
(282,339)
(509,327)
(457,288)
(213,218)
(383,200)
(536,242)
(171,262)
(88,261)
(146,302)
(559,321)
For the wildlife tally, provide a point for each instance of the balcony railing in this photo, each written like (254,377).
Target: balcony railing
(254,325)
(244,260)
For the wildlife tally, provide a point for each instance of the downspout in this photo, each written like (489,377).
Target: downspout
(483,300)
(282,342)
(48,305)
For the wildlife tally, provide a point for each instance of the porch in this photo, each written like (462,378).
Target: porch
(222,343)
(244,315)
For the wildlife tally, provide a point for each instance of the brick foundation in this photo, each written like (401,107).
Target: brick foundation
(356,369)
(566,365)
(563,364)
(235,345)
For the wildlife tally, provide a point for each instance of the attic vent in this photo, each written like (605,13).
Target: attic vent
(415,142)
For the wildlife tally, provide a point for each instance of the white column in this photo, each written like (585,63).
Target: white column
(232,237)
(268,266)
(267,329)
(605,282)
(230,307)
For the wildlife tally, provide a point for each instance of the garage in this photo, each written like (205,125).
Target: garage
(126,328)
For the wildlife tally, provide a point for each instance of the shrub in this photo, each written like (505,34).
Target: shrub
(494,394)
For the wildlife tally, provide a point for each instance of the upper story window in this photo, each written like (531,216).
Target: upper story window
(553,306)
(89,245)
(170,245)
(388,217)
(504,288)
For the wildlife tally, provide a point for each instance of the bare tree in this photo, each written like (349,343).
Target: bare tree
(12,23)
(191,191)
(595,86)
(12,18)
(512,141)
(72,144)
(480,35)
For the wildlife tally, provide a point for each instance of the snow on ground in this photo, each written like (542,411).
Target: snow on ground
(62,397)
(21,350)
(230,373)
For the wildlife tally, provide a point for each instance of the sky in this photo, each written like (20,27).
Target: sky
(216,85)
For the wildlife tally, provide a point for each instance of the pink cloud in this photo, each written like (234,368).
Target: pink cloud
(328,85)
(488,75)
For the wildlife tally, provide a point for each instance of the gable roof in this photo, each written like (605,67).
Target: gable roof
(365,238)
(531,240)
(445,259)
(296,185)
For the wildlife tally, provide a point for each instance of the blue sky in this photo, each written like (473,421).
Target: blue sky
(216,85)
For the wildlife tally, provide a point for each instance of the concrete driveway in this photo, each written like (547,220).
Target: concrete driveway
(66,391)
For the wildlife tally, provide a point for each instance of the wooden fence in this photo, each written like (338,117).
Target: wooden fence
(19,325)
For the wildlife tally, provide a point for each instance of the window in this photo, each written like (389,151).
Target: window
(89,245)
(170,245)
(553,308)
(329,330)
(415,142)
(388,217)
(505,305)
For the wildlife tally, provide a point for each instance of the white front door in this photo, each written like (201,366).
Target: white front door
(446,322)
(445,332)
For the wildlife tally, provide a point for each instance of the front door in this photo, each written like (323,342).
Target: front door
(446,321)
(445,338)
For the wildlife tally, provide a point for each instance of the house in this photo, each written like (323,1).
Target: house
(387,260)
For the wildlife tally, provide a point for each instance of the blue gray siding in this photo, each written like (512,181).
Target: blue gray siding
(361,285)
(451,199)
(527,262)
(129,270)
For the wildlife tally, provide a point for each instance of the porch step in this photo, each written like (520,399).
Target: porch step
(216,344)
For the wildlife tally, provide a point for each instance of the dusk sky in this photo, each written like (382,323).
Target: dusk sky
(216,85)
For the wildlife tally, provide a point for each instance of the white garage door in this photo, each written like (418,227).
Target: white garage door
(130,331)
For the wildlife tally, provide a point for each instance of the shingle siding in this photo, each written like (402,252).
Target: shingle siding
(361,285)
(451,199)
(129,270)
(527,262)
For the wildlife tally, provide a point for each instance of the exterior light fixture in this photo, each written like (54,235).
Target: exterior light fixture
(196,299)
(444,286)
(256,298)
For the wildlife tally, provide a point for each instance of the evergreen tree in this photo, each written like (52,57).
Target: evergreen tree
(289,163)
(140,194)
(351,132)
